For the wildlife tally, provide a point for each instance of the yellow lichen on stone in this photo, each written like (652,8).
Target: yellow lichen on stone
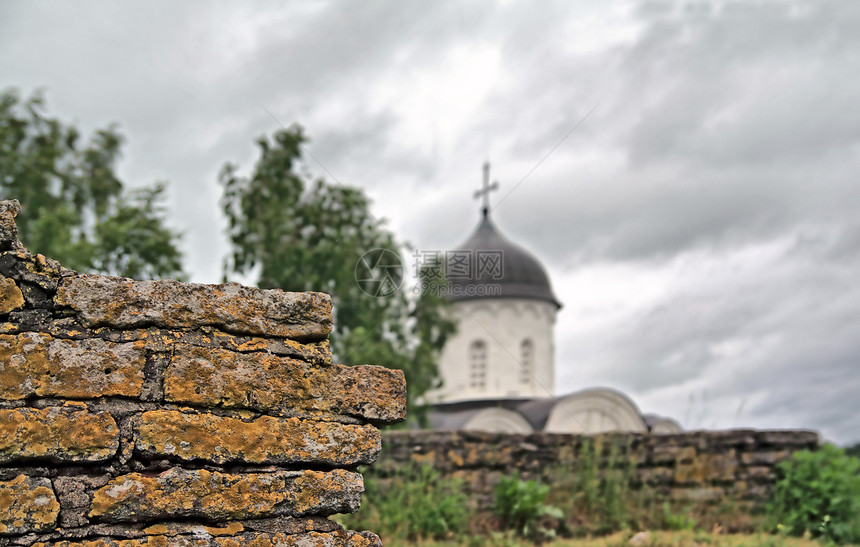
(27,504)
(269,383)
(68,433)
(263,440)
(231,529)
(11,298)
(253,345)
(37,364)
(213,495)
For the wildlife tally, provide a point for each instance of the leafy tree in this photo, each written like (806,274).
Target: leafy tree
(74,208)
(304,234)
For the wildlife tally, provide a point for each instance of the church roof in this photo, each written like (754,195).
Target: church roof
(520,275)
(571,413)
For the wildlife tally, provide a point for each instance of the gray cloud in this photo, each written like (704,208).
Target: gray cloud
(718,169)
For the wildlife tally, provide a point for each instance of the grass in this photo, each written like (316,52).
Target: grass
(685,538)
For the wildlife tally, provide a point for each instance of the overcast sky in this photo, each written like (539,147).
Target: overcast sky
(700,226)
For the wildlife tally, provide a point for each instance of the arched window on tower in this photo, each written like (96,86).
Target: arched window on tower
(527,361)
(478,365)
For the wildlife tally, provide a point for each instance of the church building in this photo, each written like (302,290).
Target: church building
(498,370)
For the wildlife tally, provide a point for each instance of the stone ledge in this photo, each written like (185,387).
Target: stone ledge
(212,496)
(141,530)
(37,364)
(788,437)
(278,385)
(103,301)
(27,504)
(193,436)
(336,538)
(61,434)
(163,340)
(275,525)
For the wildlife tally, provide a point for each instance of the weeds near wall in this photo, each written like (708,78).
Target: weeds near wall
(595,491)
(818,493)
(521,505)
(677,520)
(600,493)
(417,502)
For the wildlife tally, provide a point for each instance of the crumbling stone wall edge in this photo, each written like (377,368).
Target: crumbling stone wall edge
(167,413)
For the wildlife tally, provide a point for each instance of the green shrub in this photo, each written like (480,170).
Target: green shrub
(521,504)
(818,492)
(415,503)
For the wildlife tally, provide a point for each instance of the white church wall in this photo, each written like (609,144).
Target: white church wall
(493,331)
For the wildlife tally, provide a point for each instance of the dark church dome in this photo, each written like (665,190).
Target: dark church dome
(520,274)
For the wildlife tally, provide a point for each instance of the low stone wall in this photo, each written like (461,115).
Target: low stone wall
(163,413)
(697,466)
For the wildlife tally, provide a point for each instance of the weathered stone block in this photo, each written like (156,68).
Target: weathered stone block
(163,340)
(263,440)
(11,297)
(768,457)
(275,525)
(670,453)
(36,364)
(150,541)
(705,468)
(732,438)
(273,384)
(318,353)
(338,538)
(181,493)
(27,504)
(124,303)
(698,494)
(757,473)
(656,475)
(61,434)
(38,270)
(9,209)
(202,538)
(788,438)
(75,494)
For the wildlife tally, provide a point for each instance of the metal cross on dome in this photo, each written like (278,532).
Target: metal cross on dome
(487,188)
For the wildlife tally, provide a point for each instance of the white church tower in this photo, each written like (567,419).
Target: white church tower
(498,369)
(506,310)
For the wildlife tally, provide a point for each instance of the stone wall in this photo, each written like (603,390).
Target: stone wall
(164,413)
(735,465)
